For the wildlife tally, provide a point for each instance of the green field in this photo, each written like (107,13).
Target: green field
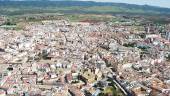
(67,7)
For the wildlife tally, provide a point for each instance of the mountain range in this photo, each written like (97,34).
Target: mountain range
(18,7)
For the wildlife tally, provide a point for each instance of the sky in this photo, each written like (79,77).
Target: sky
(161,3)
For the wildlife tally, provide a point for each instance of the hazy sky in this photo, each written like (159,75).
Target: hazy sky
(162,3)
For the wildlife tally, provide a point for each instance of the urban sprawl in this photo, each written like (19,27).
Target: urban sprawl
(85,58)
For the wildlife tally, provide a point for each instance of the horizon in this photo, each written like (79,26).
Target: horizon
(158,3)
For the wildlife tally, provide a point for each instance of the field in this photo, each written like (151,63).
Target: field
(66,7)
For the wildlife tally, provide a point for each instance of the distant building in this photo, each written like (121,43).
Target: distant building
(168,36)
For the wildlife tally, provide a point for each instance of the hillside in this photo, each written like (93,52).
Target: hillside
(31,7)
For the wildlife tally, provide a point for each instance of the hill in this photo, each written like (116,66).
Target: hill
(45,6)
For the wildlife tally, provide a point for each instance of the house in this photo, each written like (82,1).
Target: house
(2,92)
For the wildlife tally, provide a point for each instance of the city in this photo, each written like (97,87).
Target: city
(62,57)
